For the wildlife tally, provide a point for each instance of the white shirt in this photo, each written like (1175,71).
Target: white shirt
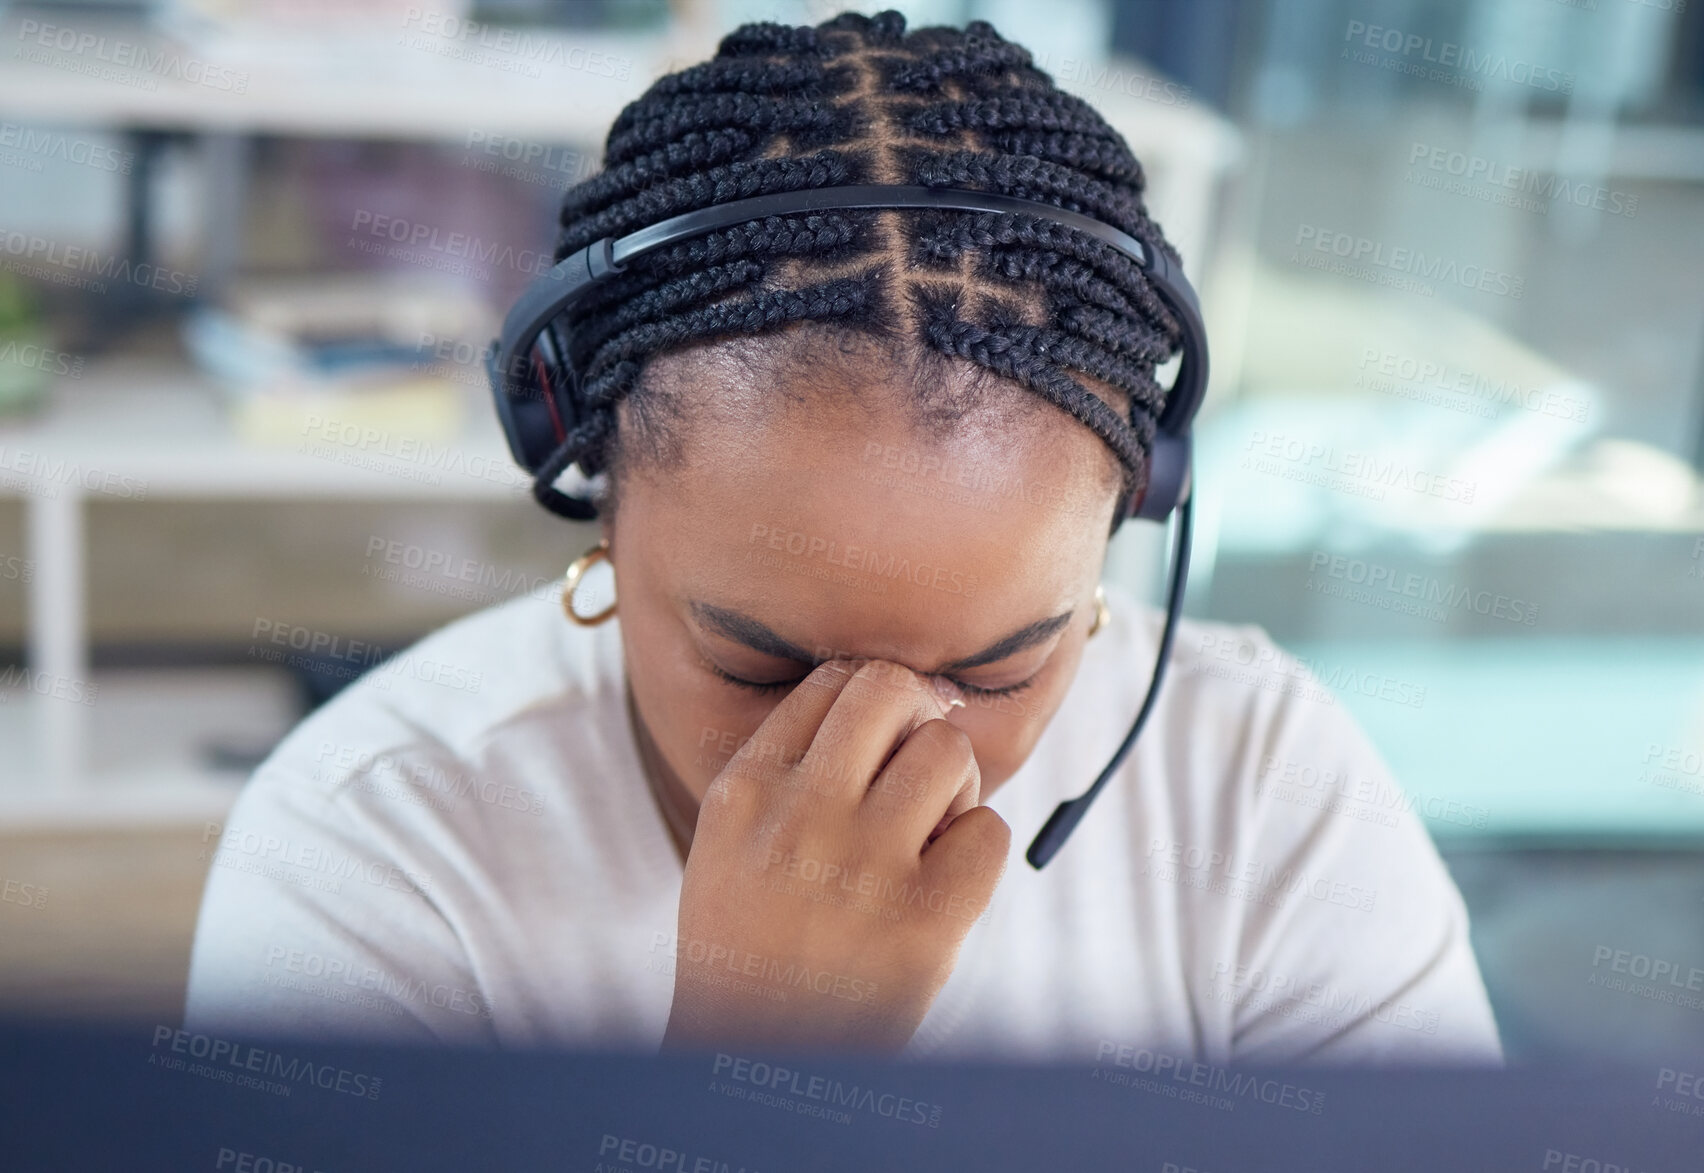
(461,847)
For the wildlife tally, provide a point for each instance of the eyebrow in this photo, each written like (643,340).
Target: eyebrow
(745,630)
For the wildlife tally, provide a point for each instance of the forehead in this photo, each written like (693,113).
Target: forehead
(841,385)
(823,506)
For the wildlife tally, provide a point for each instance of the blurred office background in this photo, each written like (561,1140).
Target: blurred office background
(1451,256)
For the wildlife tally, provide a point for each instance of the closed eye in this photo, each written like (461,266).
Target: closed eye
(778,685)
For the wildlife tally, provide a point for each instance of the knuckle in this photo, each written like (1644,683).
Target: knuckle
(945,741)
(731,793)
(900,787)
(983,852)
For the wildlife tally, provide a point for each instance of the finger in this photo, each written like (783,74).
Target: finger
(784,736)
(969,858)
(877,709)
(931,779)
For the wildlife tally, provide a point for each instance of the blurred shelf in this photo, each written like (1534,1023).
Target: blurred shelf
(396,82)
(133,431)
(148,428)
(150,733)
(171,804)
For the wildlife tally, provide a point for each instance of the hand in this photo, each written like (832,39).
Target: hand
(839,860)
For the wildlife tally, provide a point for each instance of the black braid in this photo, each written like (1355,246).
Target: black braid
(716,185)
(863,100)
(766,39)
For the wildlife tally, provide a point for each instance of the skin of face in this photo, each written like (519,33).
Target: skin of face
(808,506)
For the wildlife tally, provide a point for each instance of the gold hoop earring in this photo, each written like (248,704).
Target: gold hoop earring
(577,571)
(1101,612)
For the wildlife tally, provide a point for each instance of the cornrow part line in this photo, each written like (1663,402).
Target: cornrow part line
(1018,247)
(1023,250)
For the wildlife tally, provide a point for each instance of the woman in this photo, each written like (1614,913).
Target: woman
(858,474)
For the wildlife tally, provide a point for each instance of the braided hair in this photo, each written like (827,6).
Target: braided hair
(860,99)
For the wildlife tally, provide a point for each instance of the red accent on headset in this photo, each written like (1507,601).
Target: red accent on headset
(1134,507)
(549,399)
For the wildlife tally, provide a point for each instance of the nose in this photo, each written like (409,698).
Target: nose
(949,695)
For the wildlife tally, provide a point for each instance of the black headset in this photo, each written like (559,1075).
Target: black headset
(539,401)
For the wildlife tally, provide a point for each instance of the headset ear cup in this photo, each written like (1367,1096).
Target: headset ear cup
(1168,477)
(564,383)
(522,407)
(538,408)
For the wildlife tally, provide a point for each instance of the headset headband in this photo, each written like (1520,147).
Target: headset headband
(537,420)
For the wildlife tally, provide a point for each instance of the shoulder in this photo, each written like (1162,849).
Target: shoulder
(456,688)
(372,838)
(1240,725)
(442,742)
(1264,810)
